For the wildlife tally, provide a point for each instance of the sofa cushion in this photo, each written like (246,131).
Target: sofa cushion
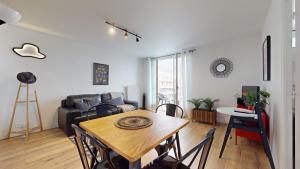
(86,104)
(116,101)
(82,105)
(70,101)
(126,107)
(116,95)
(106,97)
(91,102)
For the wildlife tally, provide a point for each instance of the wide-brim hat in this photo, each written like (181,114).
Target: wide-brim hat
(26,77)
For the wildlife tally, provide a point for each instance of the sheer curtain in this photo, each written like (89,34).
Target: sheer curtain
(151,83)
(184,81)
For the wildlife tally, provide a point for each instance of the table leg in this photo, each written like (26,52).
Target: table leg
(226,136)
(135,165)
(178,145)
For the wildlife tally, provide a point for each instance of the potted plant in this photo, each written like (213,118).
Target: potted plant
(203,110)
(250,100)
(209,103)
(196,102)
(264,95)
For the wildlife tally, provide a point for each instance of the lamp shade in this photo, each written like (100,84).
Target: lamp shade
(8,15)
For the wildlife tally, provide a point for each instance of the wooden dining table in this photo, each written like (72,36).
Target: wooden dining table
(133,144)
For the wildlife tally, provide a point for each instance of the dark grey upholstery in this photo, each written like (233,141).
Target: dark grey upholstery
(71,112)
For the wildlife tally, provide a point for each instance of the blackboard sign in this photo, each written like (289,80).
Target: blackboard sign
(100,74)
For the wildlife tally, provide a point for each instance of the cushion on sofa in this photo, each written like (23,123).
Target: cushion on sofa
(116,95)
(106,97)
(70,101)
(126,107)
(91,101)
(82,105)
(86,104)
(116,101)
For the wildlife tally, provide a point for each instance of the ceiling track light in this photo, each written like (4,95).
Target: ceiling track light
(126,35)
(137,37)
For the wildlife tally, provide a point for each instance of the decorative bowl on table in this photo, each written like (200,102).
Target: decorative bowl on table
(133,122)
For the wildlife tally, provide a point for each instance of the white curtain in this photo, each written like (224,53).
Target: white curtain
(151,83)
(184,81)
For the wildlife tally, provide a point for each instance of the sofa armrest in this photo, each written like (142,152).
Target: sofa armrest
(66,118)
(134,103)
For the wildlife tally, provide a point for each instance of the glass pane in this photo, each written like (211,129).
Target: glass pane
(166,79)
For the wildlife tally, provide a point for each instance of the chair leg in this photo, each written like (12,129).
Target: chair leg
(266,144)
(226,136)
(267,150)
(178,145)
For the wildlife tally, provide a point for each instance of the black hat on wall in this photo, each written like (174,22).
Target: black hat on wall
(26,77)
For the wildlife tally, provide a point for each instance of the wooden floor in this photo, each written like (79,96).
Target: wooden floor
(51,149)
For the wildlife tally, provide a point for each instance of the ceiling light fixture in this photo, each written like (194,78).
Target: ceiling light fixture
(112,30)
(126,35)
(113,26)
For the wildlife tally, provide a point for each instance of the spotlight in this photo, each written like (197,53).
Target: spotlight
(137,39)
(112,30)
(126,35)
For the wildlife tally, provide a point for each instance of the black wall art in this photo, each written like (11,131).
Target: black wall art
(267,59)
(100,74)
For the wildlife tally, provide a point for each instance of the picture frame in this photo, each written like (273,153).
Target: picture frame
(267,58)
(100,74)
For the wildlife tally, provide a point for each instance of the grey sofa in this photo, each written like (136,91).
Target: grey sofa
(73,109)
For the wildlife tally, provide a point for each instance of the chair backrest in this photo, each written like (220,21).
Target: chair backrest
(88,144)
(170,109)
(205,146)
(105,109)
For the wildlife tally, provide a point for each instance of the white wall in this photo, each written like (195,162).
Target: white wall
(244,52)
(297,82)
(276,27)
(66,70)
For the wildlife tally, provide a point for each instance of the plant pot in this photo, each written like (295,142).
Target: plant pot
(204,116)
(250,107)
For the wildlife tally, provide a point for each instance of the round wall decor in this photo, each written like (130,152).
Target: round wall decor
(133,122)
(221,67)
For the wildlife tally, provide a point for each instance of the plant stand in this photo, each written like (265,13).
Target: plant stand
(205,116)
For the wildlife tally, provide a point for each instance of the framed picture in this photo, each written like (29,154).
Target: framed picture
(267,59)
(100,74)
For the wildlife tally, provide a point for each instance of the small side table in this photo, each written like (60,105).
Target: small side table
(235,122)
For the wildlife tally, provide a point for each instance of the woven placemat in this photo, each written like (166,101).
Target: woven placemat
(133,122)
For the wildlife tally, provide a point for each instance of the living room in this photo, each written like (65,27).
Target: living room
(147,54)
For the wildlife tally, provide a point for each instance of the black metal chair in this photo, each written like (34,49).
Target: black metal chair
(167,162)
(171,110)
(87,144)
(103,109)
(241,123)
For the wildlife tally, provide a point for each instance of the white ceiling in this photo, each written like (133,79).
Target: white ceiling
(165,25)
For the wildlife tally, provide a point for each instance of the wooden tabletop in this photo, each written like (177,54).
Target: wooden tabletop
(133,144)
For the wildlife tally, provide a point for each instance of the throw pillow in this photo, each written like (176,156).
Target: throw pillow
(116,101)
(80,104)
(91,102)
